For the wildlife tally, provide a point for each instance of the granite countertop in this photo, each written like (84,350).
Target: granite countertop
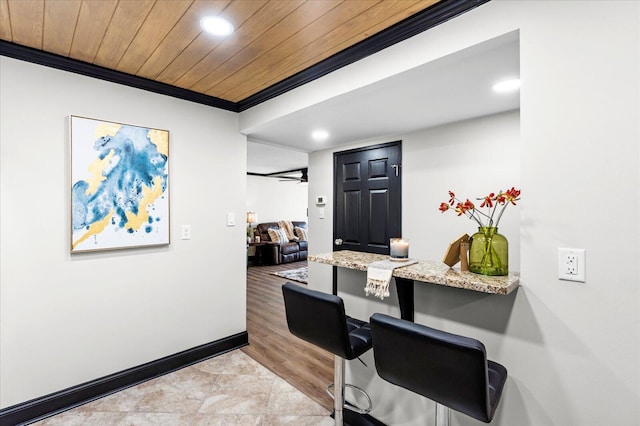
(425,270)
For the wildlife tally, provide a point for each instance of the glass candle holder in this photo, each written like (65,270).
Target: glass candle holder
(399,248)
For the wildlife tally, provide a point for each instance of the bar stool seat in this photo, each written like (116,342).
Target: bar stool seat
(449,369)
(319,318)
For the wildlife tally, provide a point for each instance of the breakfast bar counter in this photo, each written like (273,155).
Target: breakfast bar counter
(424,271)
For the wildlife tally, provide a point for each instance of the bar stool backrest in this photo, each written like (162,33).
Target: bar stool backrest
(446,368)
(318,318)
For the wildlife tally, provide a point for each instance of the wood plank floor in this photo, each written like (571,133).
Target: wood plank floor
(306,367)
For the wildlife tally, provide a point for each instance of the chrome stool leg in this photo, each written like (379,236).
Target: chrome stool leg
(443,415)
(339,403)
(338,399)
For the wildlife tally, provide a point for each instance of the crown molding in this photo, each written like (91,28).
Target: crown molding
(409,27)
(52,60)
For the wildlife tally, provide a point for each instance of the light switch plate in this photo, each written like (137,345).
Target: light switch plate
(185,232)
(231,219)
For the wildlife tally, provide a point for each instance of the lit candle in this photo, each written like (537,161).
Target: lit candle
(399,248)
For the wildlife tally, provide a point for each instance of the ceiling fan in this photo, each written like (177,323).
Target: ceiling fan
(295,175)
(286,175)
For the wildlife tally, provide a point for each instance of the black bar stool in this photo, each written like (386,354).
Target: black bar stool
(320,319)
(449,369)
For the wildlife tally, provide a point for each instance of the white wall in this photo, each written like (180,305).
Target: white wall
(489,150)
(273,200)
(69,319)
(571,349)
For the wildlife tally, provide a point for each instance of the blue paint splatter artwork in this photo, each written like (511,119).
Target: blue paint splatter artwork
(120,185)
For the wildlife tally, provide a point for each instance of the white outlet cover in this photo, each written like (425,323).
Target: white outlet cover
(565,257)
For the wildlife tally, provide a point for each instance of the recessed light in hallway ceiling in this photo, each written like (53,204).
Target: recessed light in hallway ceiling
(320,135)
(506,86)
(216,25)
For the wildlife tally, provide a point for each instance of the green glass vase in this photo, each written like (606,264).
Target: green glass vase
(489,252)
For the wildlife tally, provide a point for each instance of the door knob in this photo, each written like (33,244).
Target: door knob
(338,241)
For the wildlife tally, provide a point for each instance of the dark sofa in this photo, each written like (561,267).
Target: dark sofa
(277,253)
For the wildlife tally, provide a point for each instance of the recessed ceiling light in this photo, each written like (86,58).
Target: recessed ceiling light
(320,135)
(216,25)
(507,85)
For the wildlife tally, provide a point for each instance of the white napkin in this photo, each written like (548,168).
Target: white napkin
(379,276)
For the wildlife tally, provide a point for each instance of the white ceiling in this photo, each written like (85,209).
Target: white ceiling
(452,88)
(264,158)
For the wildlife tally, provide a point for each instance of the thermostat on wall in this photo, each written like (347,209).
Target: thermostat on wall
(320,200)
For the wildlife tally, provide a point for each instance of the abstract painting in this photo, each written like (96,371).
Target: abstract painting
(119,185)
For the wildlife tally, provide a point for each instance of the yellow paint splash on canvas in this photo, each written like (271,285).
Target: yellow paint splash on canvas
(106,129)
(96,168)
(95,228)
(160,139)
(149,195)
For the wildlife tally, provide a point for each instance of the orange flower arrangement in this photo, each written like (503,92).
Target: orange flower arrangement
(491,202)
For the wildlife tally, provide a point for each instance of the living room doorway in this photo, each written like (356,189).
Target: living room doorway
(277,191)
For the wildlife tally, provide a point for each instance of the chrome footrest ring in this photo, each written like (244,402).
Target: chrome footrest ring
(350,406)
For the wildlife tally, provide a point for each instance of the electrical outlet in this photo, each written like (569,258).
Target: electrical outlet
(571,264)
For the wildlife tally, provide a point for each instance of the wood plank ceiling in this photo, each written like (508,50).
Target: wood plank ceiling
(161,40)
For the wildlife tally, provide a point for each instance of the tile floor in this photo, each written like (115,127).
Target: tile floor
(228,390)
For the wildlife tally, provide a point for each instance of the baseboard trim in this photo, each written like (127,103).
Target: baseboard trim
(48,405)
